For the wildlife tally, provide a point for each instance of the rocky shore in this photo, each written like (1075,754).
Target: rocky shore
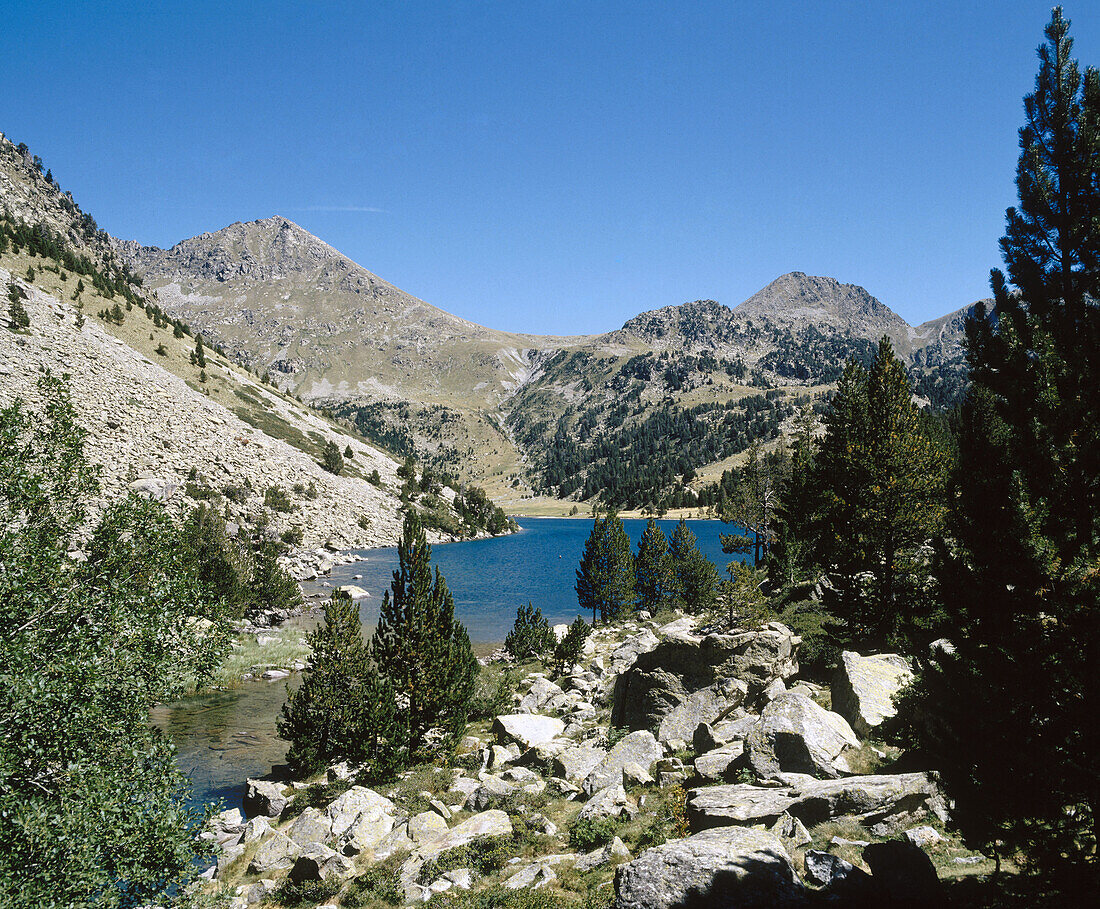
(669,768)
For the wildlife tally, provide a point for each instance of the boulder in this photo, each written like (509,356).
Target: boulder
(708,737)
(904,875)
(663,678)
(372,814)
(702,706)
(864,688)
(575,763)
(609,802)
(311,827)
(492,793)
(637,748)
(841,879)
(542,692)
(320,863)
(720,764)
(526,730)
(264,797)
(605,855)
(923,837)
(796,734)
(732,866)
(869,798)
(426,827)
(277,852)
(535,875)
(488,823)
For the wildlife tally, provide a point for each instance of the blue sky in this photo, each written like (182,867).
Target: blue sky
(554,167)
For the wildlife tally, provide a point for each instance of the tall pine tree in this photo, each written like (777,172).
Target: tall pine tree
(697,578)
(1014,711)
(654,573)
(605,578)
(879,484)
(422,647)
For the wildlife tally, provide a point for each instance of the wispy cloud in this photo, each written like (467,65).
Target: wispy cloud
(369,209)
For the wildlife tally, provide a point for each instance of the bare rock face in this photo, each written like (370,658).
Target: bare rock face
(639,748)
(526,729)
(732,866)
(797,735)
(665,677)
(872,799)
(265,798)
(864,688)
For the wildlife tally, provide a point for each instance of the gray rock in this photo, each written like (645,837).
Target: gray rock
(372,814)
(796,734)
(605,855)
(702,706)
(637,748)
(426,827)
(575,763)
(609,802)
(319,863)
(264,797)
(719,765)
(791,831)
(311,827)
(923,837)
(636,775)
(823,868)
(542,692)
(492,793)
(526,730)
(732,866)
(277,852)
(868,798)
(864,688)
(534,876)
(663,678)
(488,823)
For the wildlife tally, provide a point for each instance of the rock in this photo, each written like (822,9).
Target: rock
(923,837)
(264,797)
(670,772)
(499,756)
(663,678)
(275,853)
(226,827)
(273,675)
(636,775)
(903,874)
(526,730)
(541,693)
(492,793)
(319,863)
(462,878)
(864,688)
(702,706)
(791,831)
(708,737)
(609,802)
(487,823)
(842,879)
(226,857)
(796,734)
(732,866)
(155,488)
(311,827)
(464,786)
(774,689)
(637,748)
(575,763)
(605,855)
(535,875)
(255,829)
(426,827)
(370,813)
(868,798)
(353,591)
(439,808)
(719,765)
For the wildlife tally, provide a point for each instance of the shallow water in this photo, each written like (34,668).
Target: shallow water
(224,737)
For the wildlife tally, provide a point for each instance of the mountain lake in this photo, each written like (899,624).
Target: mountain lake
(224,737)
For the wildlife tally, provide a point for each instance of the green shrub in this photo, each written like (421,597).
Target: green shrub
(498,897)
(276,497)
(569,649)
(331,459)
(378,884)
(292,536)
(492,695)
(587,834)
(531,635)
(484,856)
(310,893)
(375,478)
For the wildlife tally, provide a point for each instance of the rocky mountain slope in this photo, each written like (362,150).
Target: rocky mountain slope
(520,414)
(163,418)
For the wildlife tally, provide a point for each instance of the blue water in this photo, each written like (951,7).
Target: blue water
(224,737)
(490,579)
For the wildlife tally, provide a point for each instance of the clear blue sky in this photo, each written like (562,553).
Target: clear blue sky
(551,166)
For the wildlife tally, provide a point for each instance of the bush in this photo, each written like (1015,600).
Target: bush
(378,884)
(531,635)
(292,536)
(587,834)
(276,497)
(375,478)
(331,459)
(310,893)
(483,856)
(569,649)
(492,696)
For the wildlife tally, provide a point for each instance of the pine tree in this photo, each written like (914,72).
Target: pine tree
(605,578)
(18,318)
(654,573)
(879,478)
(697,578)
(1012,714)
(754,502)
(531,635)
(200,354)
(420,646)
(331,459)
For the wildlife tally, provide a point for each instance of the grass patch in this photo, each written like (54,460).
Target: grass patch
(426,778)
(286,646)
(379,885)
